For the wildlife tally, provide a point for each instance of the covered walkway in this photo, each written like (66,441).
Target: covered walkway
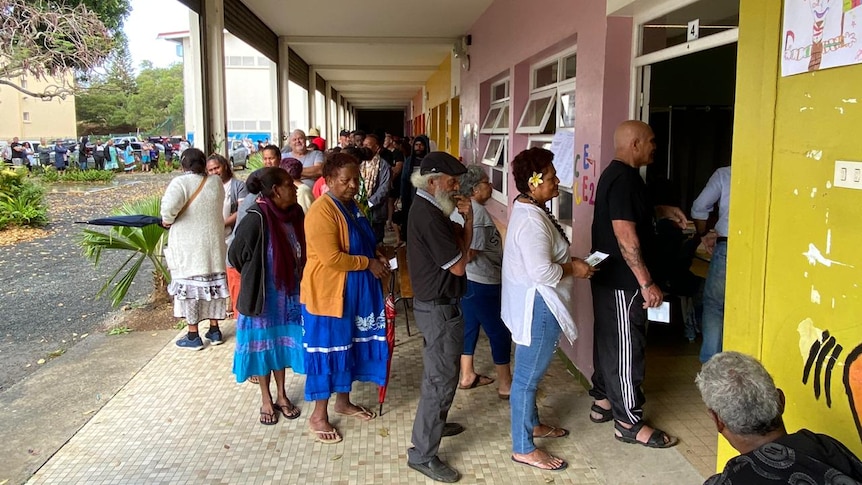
(200,427)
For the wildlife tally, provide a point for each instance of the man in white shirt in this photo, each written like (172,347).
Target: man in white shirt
(717,190)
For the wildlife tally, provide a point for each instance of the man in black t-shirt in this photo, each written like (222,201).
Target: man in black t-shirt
(746,408)
(623,288)
(437,256)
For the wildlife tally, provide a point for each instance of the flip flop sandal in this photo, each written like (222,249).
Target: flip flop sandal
(607,414)
(368,415)
(538,464)
(477,382)
(319,436)
(552,433)
(290,411)
(658,438)
(268,419)
(252,380)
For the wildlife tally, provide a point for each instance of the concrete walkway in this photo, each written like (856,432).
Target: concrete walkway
(184,419)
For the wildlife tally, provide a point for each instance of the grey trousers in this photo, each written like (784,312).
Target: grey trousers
(442,327)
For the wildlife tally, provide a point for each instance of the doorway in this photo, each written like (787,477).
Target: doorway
(686,94)
(691,112)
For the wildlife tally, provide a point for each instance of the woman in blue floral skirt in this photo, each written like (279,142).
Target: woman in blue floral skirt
(269,252)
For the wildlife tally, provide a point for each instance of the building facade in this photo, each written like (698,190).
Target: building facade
(31,118)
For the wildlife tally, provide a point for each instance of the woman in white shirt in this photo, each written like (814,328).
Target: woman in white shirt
(538,279)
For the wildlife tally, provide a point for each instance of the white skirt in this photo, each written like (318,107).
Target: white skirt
(200,297)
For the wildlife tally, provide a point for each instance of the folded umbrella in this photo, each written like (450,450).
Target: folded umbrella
(136,220)
(389,308)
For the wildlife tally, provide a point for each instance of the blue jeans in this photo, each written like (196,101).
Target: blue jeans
(713,302)
(481,306)
(531,362)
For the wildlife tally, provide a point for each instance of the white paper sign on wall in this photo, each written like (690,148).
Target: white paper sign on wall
(693,30)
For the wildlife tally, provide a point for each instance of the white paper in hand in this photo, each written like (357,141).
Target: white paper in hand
(393,264)
(595,258)
(660,313)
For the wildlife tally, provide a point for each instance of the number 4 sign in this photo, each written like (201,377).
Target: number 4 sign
(693,30)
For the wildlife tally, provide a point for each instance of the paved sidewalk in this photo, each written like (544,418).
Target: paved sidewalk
(184,419)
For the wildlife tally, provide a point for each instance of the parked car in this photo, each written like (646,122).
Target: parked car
(238,154)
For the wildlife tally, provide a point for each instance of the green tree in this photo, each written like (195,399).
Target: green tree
(158,99)
(103,105)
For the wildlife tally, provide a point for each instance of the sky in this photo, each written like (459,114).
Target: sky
(148,19)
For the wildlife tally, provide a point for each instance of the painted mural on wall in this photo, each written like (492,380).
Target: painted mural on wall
(819,34)
(822,352)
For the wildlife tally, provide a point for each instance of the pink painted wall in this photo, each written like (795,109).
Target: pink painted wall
(510,36)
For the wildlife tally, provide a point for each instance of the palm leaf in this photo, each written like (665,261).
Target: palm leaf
(144,242)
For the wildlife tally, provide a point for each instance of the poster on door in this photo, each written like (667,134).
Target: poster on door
(819,34)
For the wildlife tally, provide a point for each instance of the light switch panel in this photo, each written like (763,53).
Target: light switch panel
(848,174)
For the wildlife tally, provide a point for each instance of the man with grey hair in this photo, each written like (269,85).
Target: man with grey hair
(437,254)
(746,407)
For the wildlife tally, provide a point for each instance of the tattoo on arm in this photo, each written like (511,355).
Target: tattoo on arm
(632,255)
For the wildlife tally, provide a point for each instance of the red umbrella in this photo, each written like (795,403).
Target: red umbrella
(389,303)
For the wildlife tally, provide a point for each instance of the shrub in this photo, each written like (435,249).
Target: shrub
(51,175)
(163,166)
(22,202)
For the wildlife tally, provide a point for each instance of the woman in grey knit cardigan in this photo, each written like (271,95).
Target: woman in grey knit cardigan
(192,210)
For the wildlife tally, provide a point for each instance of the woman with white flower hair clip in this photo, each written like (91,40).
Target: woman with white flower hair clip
(538,283)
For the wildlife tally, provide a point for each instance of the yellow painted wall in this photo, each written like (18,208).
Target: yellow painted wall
(438,85)
(48,119)
(788,134)
(442,122)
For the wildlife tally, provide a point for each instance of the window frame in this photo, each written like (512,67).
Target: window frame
(538,137)
(551,95)
(25,117)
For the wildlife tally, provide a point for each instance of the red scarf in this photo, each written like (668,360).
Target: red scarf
(284,258)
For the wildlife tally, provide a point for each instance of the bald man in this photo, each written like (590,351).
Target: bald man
(623,289)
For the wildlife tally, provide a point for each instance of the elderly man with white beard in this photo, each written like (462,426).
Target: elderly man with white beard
(437,254)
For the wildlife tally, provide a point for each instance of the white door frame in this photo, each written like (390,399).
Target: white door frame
(641,63)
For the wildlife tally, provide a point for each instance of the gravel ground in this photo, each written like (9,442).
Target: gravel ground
(49,290)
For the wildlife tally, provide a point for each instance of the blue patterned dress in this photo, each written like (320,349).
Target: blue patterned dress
(272,340)
(339,351)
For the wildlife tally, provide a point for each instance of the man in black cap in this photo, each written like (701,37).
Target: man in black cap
(437,255)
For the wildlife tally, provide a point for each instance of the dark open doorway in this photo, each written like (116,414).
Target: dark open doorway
(691,112)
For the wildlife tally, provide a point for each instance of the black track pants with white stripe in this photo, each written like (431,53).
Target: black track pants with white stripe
(619,342)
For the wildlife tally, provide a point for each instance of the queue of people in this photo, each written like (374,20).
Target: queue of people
(306,284)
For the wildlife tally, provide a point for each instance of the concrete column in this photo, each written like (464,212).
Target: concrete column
(194,84)
(339,116)
(327,100)
(215,104)
(312,98)
(283,67)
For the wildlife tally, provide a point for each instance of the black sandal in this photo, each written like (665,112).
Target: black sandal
(268,419)
(606,414)
(288,410)
(658,438)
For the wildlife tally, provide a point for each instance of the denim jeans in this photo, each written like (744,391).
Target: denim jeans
(481,306)
(713,303)
(531,362)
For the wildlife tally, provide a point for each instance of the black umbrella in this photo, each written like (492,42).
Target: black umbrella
(137,220)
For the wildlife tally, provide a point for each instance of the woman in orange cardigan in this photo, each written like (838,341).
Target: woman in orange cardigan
(342,300)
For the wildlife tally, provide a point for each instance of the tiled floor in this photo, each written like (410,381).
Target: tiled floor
(184,419)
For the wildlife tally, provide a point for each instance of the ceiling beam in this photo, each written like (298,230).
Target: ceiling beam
(371,67)
(330,39)
(400,84)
